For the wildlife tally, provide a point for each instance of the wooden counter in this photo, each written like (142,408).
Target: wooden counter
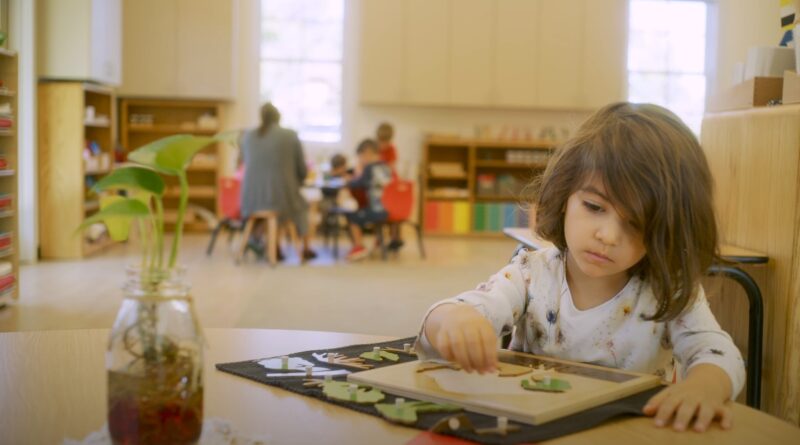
(754,156)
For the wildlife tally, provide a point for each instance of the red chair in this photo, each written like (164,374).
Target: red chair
(229,204)
(398,200)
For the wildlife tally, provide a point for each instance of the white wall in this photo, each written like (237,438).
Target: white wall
(742,23)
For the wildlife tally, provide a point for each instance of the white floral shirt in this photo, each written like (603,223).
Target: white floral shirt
(531,295)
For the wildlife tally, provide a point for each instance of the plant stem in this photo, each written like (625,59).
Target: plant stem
(159,231)
(179,224)
(145,245)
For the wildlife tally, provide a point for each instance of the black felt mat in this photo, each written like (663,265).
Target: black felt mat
(631,405)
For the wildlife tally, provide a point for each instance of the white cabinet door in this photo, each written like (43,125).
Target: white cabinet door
(472,52)
(605,52)
(516,52)
(149,48)
(426,49)
(106,41)
(205,48)
(561,31)
(382,50)
(79,40)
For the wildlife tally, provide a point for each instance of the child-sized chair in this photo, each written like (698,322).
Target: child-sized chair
(229,205)
(398,200)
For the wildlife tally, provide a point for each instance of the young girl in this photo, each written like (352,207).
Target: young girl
(627,204)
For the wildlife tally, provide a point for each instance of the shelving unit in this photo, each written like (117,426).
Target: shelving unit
(472,187)
(9,251)
(145,120)
(66,170)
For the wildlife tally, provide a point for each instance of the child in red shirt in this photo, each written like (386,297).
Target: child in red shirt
(388,155)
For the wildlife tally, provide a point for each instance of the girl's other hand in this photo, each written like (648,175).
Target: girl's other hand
(701,398)
(464,336)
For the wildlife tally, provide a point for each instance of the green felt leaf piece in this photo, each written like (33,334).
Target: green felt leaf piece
(375,356)
(406,413)
(116,212)
(556,385)
(171,154)
(132,178)
(390,356)
(340,391)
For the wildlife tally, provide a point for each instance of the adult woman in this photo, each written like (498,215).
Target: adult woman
(274,171)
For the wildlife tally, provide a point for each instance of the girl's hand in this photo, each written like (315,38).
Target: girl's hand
(462,335)
(703,396)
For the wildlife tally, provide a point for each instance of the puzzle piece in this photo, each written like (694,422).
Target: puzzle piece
(378,355)
(406,412)
(546,384)
(342,360)
(350,392)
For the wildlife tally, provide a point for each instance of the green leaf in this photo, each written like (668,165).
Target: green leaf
(171,154)
(341,391)
(230,137)
(117,213)
(406,413)
(132,177)
(555,385)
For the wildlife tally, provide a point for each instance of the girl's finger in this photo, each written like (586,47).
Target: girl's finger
(474,349)
(725,414)
(652,405)
(489,348)
(443,346)
(705,414)
(459,350)
(685,413)
(665,410)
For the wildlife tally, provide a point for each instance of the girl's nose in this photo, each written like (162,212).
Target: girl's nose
(608,233)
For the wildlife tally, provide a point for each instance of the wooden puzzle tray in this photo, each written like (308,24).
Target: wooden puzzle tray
(583,386)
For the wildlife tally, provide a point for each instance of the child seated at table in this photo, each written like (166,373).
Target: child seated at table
(627,204)
(375,174)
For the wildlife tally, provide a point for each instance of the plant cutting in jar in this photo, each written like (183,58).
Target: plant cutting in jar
(155,354)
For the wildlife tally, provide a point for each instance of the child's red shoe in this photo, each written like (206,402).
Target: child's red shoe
(357,253)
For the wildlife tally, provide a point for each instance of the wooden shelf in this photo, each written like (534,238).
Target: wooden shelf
(171,129)
(479,157)
(94,124)
(202,168)
(9,61)
(505,164)
(62,172)
(463,177)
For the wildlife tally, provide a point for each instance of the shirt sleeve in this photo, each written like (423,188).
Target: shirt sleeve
(502,300)
(697,338)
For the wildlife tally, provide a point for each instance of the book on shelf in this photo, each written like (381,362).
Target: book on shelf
(493,217)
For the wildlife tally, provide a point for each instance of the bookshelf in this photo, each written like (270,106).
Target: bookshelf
(146,120)
(9,252)
(76,134)
(472,187)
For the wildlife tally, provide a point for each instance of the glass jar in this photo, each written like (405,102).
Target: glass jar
(155,362)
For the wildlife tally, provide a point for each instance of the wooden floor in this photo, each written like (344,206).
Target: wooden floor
(372,296)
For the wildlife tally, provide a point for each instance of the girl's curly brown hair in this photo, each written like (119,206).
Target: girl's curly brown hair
(657,176)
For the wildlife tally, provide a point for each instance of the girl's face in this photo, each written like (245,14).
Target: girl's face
(600,241)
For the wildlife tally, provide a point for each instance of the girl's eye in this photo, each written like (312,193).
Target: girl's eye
(592,207)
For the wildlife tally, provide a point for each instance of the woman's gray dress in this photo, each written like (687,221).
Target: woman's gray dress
(274,171)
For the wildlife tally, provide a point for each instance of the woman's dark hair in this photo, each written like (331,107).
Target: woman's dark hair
(656,175)
(269,116)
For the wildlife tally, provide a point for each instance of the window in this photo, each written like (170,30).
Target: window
(301,65)
(667,55)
